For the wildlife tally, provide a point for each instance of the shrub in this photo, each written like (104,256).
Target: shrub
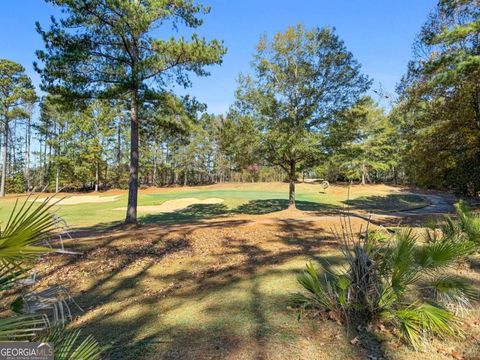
(396,279)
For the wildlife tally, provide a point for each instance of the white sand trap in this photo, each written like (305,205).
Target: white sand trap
(175,205)
(74,200)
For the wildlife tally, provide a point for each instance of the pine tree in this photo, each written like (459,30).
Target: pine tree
(440,99)
(108,49)
(16,93)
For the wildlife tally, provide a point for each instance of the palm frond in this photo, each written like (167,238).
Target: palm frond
(22,327)
(417,321)
(399,260)
(26,227)
(68,345)
(327,294)
(454,290)
(443,253)
(380,276)
(387,298)
(467,227)
(10,273)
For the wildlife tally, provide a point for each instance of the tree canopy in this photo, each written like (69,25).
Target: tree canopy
(301,79)
(440,100)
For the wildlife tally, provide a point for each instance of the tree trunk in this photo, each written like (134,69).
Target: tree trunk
(131,217)
(395,175)
(291,189)
(4,158)
(364,171)
(119,154)
(476,104)
(12,151)
(45,175)
(107,174)
(97,177)
(57,177)
(154,175)
(27,153)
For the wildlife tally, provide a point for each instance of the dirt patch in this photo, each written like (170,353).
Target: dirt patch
(175,205)
(75,200)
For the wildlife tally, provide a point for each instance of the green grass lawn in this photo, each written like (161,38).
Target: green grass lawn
(251,200)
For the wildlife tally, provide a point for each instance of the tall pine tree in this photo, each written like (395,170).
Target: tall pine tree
(111,49)
(16,93)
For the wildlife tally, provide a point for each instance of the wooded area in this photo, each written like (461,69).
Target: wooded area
(307,97)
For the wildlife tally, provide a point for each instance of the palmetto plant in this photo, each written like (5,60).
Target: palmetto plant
(68,345)
(466,226)
(398,279)
(28,225)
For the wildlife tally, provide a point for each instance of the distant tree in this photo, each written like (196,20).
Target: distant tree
(239,140)
(16,94)
(54,125)
(172,121)
(79,141)
(302,78)
(108,48)
(96,126)
(28,140)
(371,146)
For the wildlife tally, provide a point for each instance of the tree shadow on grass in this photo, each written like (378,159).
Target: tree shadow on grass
(191,213)
(137,322)
(259,207)
(386,203)
(207,211)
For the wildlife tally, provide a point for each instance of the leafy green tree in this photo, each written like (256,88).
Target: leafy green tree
(302,77)
(371,145)
(96,125)
(440,100)
(448,49)
(239,140)
(16,93)
(108,48)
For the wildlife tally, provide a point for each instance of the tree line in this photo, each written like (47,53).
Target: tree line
(107,117)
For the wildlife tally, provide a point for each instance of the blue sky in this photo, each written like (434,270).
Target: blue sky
(379,33)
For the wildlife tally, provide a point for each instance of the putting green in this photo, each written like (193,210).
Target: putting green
(156,206)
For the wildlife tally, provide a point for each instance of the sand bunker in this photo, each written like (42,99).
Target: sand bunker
(175,205)
(74,200)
